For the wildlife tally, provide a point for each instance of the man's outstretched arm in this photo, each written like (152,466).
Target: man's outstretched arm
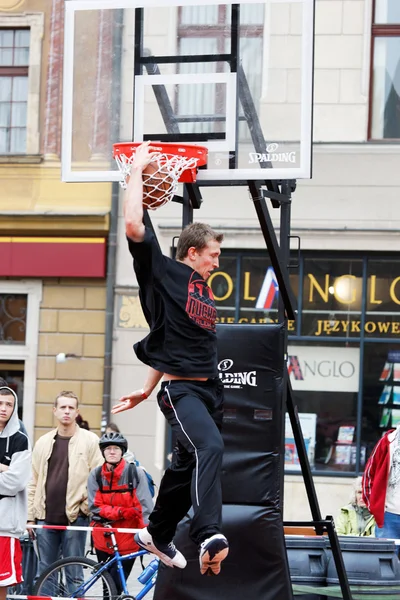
(136,397)
(133,201)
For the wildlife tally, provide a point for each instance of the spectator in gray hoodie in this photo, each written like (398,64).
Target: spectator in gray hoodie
(15,473)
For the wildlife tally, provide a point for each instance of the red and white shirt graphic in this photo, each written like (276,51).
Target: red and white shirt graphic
(200,306)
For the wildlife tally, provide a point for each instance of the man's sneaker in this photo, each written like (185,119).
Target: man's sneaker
(167,553)
(212,552)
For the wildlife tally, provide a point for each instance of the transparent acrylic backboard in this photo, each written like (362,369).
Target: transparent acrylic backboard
(235,78)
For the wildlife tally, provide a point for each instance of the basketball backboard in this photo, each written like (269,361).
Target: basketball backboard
(235,78)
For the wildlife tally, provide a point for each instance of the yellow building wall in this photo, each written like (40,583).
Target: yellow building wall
(34,201)
(38,188)
(72,320)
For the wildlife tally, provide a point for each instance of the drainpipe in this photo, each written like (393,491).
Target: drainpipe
(110,285)
(113,232)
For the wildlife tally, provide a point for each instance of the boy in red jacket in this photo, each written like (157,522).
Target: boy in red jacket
(115,501)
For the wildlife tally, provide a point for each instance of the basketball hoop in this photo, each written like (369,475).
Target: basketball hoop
(175,163)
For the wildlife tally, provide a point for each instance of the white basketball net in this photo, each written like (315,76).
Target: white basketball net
(162,184)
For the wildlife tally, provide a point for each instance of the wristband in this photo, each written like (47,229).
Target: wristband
(144,395)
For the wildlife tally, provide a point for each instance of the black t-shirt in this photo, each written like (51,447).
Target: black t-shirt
(180,310)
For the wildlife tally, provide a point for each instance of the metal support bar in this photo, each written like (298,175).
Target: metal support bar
(284,240)
(277,197)
(302,454)
(338,558)
(184,137)
(268,231)
(187,209)
(192,58)
(327,526)
(233,64)
(253,122)
(163,102)
(284,231)
(193,191)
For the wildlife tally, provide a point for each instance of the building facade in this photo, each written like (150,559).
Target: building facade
(53,237)
(344,347)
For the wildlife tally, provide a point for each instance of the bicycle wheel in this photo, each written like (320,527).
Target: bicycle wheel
(75,577)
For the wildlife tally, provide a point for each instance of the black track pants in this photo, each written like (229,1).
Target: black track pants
(194,411)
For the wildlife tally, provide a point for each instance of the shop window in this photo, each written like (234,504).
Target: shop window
(224,287)
(207,30)
(381,391)
(385,80)
(252,296)
(13,309)
(259,298)
(325,375)
(325,382)
(332,297)
(383,299)
(13,373)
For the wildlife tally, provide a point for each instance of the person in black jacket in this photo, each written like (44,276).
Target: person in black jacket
(181,349)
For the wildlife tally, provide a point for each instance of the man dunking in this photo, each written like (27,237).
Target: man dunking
(181,348)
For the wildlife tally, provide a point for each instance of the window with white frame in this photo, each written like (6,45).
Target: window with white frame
(207,30)
(385,80)
(13,309)
(21,38)
(19,338)
(14,65)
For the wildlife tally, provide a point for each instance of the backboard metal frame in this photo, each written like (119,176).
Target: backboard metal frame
(255,174)
(229,79)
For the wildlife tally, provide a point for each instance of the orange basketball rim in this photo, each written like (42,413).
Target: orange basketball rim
(192,156)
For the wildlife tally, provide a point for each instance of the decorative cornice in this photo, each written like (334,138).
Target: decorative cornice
(377,148)
(88,224)
(18,159)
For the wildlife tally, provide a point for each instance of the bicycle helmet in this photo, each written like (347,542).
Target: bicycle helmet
(113,439)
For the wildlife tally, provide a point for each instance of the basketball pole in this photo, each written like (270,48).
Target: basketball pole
(280,195)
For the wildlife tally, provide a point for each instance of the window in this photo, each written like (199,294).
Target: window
(13,318)
(207,30)
(381,392)
(385,80)
(332,291)
(246,290)
(343,351)
(383,299)
(21,37)
(14,61)
(19,333)
(13,372)
(325,382)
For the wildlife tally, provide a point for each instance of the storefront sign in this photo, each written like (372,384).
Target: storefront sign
(331,305)
(346,289)
(324,368)
(353,326)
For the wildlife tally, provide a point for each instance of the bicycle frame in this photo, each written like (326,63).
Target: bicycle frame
(119,559)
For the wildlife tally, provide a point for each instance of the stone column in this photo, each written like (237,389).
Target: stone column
(52,120)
